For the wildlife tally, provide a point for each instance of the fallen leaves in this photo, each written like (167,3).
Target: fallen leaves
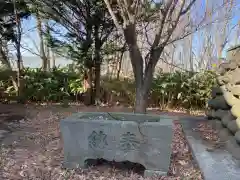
(42,158)
(207,132)
(182,164)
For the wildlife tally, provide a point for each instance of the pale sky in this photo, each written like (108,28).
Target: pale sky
(31,40)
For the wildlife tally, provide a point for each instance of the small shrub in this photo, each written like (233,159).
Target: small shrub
(178,89)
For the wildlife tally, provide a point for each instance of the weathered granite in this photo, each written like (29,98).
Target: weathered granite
(215,123)
(3,132)
(232,126)
(233,147)
(143,139)
(224,134)
(219,164)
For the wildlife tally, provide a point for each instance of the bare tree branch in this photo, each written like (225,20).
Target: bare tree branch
(184,11)
(113,16)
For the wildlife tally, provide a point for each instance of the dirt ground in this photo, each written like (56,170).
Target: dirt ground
(31,147)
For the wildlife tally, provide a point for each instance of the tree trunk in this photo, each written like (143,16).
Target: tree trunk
(19,72)
(89,89)
(19,55)
(97,74)
(48,61)
(97,83)
(53,59)
(120,65)
(42,52)
(97,65)
(144,78)
(137,66)
(190,54)
(48,58)
(143,89)
(140,100)
(19,67)
(47,47)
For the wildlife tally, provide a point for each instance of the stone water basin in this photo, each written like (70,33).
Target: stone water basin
(138,138)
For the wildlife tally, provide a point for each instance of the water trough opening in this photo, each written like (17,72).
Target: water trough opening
(122,166)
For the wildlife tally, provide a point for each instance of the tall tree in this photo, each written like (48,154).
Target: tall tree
(47,48)
(17,41)
(12,11)
(88,25)
(37,12)
(41,43)
(167,15)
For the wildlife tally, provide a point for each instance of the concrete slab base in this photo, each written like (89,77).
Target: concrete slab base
(219,164)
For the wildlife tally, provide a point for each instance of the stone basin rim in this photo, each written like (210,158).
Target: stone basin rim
(150,118)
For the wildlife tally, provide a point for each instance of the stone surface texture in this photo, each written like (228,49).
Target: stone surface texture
(225,102)
(216,165)
(143,139)
(3,132)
